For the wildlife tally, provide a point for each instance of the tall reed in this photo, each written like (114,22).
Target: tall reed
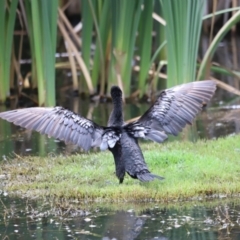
(44,18)
(125,22)
(184,21)
(7,21)
(145,43)
(222,32)
(114,34)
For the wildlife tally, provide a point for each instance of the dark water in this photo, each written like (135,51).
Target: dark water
(38,220)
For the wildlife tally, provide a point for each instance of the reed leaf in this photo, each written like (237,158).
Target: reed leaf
(40,20)
(157,52)
(7,21)
(77,56)
(27,12)
(220,12)
(101,21)
(49,37)
(69,27)
(73,68)
(124,30)
(37,39)
(3,89)
(86,34)
(225,71)
(159,19)
(219,36)
(65,23)
(184,19)
(226,87)
(160,43)
(145,46)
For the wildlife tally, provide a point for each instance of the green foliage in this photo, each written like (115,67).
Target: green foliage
(102,29)
(49,38)
(86,33)
(201,169)
(145,44)
(115,34)
(184,20)
(222,32)
(124,30)
(44,33)
(7,21)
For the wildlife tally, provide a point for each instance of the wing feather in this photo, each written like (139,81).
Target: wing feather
(58,123)
(173,110)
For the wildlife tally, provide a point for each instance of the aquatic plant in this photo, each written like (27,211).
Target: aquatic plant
(7,22)
(119,42)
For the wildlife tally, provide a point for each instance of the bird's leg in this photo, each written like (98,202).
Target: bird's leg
(121,180)
(120,173)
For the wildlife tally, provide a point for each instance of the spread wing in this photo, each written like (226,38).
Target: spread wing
(58,123)
(174,108)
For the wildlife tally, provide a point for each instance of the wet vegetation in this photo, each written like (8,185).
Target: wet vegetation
(191,170)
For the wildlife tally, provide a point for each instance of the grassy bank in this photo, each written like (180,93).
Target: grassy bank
(202,169)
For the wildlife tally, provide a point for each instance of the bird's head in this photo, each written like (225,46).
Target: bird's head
(116,92)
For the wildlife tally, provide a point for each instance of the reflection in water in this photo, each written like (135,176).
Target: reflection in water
(37,220)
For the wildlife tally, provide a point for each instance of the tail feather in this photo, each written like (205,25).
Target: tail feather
(146,177)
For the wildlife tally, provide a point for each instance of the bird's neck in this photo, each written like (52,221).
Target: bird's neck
(116,116)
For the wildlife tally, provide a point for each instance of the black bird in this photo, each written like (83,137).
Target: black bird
(173,109)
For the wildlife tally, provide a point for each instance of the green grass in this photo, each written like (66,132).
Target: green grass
(191,171)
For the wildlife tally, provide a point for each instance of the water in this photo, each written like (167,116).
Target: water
(29,219)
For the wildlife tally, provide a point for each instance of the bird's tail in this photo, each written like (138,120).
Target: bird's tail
(146,177)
